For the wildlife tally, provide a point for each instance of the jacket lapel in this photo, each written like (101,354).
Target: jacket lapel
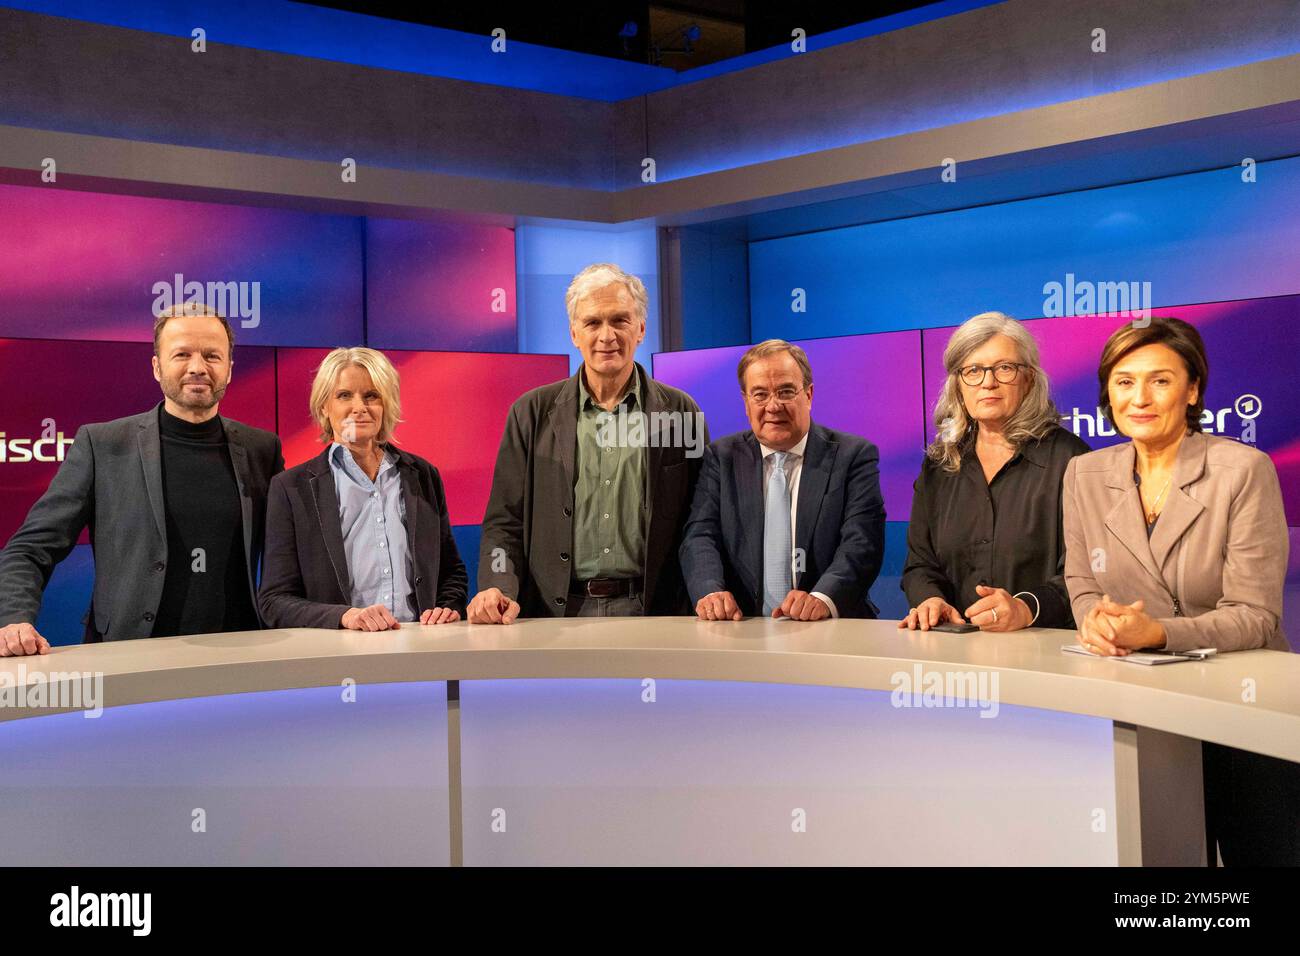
(749,498)
(326,500)
(239,460)
(1180,510)
(1125,517)
(410,497)
(564,425)
(151,459)
(651,404)
(818,460)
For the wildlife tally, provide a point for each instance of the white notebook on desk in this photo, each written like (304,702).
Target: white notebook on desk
(1146,657)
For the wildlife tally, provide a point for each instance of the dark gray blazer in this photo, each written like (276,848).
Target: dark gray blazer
(840,522)
(305,579)
(111,481)
(529,514)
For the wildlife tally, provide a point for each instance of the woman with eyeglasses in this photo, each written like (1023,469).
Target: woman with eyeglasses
(985,544)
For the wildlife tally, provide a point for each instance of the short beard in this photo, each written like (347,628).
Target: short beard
(174,389)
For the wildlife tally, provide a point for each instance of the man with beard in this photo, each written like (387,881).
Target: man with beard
(175,499)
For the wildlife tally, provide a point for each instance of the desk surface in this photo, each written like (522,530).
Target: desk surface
(1195,699)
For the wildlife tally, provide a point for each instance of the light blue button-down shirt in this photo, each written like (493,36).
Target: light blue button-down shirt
(372,516)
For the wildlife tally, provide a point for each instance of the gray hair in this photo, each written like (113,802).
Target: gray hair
(1035,417)
(598,276)
(774,347)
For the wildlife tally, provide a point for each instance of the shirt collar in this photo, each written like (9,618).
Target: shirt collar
(797,450)
(1034,450)
(340,457)
(631,395)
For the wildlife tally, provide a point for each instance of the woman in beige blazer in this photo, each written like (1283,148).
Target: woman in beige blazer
(1176,540)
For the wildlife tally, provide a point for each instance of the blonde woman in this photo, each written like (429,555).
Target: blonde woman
(359,536)
(985,544)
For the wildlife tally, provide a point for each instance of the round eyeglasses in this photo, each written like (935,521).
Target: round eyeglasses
(1004,372)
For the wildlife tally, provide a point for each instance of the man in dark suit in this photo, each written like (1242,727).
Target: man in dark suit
(175,499)
(593,477)
(788,519)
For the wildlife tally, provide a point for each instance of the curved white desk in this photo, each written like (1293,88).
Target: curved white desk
(586,718)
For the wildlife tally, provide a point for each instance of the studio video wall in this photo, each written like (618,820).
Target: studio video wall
(883,386)
(80,277)
(81,274)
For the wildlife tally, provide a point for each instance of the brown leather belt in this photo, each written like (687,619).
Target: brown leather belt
(606,587)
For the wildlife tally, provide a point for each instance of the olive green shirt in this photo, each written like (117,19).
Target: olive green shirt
(609,499)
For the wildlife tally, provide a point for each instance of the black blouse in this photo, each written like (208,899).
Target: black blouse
(965,531)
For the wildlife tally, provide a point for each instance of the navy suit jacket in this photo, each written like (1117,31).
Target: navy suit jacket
(840,522)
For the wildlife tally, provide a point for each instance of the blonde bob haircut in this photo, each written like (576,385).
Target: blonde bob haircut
(1037,414)
(385,378)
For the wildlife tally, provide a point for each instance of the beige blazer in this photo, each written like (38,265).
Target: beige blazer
(1212,571)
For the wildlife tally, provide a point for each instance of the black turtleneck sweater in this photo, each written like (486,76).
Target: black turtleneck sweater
(206,588)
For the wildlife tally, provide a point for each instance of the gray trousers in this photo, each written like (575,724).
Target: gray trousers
(580,605)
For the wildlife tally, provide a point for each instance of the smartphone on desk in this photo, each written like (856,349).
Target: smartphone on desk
(951,628)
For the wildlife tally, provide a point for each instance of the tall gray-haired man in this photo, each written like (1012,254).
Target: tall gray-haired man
(593,478)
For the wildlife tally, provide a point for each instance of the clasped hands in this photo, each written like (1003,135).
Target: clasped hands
(1116,630)
(798,606)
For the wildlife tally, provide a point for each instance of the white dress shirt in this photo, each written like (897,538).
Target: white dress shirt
(793,469)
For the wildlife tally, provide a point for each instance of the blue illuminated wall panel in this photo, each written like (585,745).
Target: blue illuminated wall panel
(549,253)
(1205,237)
(714,288)
(67,597)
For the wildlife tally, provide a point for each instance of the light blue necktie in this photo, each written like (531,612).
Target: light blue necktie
(776,537)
